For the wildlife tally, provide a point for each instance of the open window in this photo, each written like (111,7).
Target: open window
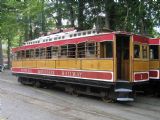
(23,54)
(63,53)
(72,51)
(144,51)
(49,52)
(14,57)
(81,50)
(18,55)
(136,51)
(27,54)
(106,49)
(91,49)
(32,53)
(153,51)
(42,53)
(54,52)
(37,53)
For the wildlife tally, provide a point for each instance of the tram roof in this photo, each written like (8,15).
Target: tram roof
(75,38)
(154,41)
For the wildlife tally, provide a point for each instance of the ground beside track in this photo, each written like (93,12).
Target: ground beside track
(18,102)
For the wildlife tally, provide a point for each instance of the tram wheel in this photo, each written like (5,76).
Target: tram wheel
(37,84)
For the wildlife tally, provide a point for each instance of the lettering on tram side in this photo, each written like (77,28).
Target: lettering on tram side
(72,73)
(26,70)
(68,73)
(51,72)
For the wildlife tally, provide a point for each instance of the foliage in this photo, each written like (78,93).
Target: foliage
(23,20)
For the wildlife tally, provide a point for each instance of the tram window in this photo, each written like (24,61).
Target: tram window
(23,54)
(153,51)
(109,49)
(15,56)
(63,53)
(54,52)
(18,55)
(89,32)
(81,50)
(37,53)
(136,51)
(144,51)
(42,53)
(72,51)
(84,33)
(71,35)
(49,50)
(27,54)
(79,34)
(90,50)
(31,53)
(106,49)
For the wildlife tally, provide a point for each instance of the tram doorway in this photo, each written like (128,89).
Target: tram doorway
(122,57)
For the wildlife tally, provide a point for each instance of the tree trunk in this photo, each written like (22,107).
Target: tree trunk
(70,5)
(59,15)
(109,14)
(26,22)
(26,29)
(1,52)
(43,18)
(9,52)
(80,14)
(72,16)
(107,24)
(30,29)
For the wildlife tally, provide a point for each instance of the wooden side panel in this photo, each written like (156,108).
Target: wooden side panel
(97,65)
(89,64)
(105,65)
(41,63)
(16,63)
(85,64)
(154,64)
(141,66)
(29,63)
(68,64)
(50,64)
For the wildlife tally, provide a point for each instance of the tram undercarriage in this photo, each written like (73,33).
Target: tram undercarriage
(105,90)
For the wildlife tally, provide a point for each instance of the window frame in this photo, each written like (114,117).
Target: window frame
(55,52)
(147,52)
(87,50)
(158,50)
(104,50)
(140,51)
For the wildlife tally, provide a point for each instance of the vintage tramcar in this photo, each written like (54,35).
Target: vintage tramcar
(106,64)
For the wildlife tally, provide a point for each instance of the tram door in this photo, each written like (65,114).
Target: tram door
(122,56)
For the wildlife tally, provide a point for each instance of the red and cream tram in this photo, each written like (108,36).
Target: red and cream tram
(106,64)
